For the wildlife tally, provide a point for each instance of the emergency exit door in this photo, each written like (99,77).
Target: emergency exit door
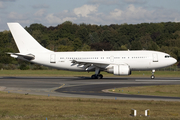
(112,58)
(155,57)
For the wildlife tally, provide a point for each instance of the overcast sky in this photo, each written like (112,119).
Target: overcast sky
(100,12)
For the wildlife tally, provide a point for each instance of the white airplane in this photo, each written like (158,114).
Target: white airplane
(116,62)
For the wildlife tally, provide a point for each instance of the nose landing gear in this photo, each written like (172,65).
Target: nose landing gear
(152,76)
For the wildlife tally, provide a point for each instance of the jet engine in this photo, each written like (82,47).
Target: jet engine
(119,69)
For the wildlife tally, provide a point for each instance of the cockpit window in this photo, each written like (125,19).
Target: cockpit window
(167,56)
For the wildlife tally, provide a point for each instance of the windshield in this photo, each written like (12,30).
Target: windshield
(167,56)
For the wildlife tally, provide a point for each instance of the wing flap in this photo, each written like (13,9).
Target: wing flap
(82,62)
(92,64)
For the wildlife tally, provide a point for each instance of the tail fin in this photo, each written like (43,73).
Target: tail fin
(24,41)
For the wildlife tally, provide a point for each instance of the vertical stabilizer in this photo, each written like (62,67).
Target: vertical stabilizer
(24,41)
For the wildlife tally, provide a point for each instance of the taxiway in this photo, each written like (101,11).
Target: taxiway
(81,87)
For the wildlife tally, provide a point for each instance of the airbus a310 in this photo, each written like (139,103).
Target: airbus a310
(115,62)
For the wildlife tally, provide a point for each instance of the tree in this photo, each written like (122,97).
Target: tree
(136,45)
(85,47)
(82,34)
(77,43)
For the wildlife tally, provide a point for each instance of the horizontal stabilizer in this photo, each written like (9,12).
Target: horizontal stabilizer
(26,57)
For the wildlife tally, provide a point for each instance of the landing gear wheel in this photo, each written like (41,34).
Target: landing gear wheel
(99,76)
(93,76)
(152,76)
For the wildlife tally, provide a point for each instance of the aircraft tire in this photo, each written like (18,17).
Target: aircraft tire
(97,76)
(100,76)
(152,76)
(93,77)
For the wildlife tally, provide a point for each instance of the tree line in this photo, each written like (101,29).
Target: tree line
(68,36)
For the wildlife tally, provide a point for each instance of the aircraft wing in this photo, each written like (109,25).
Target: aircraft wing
(22,56)
(92,64)
(89,61)
(89,64)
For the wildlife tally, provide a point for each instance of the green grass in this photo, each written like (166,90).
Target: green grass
(54,73)
(57,73)
(24,107)
(157,90)
(157,73)
(31,107)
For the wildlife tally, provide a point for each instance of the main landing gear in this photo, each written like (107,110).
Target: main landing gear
(152,76)
(97,74)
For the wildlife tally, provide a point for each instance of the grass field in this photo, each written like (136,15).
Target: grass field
(31,107)
(58,73)
(157,90)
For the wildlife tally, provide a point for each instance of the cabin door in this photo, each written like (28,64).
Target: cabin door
(52,58)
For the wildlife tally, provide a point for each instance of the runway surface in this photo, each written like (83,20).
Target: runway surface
(81,87)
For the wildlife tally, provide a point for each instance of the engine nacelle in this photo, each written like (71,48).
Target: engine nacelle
(120,70)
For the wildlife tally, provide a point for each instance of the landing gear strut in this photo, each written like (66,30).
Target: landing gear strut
(97,74)
(152,76)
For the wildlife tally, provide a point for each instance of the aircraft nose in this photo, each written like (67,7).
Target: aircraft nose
(174,60)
